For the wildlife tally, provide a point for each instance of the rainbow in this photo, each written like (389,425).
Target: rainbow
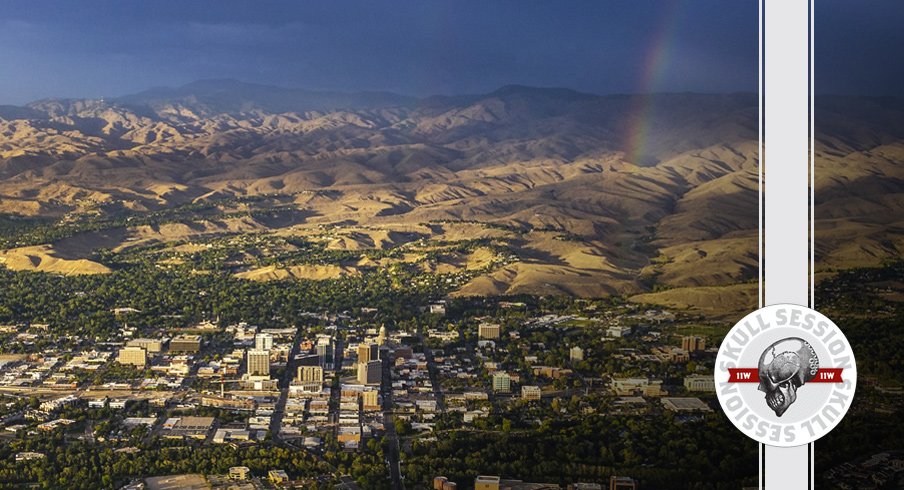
(655,60)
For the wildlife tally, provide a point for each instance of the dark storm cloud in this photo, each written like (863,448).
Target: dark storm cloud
(94,48)
(859,47)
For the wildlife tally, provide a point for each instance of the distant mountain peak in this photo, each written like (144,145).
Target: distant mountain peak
(235,96)
(558,92)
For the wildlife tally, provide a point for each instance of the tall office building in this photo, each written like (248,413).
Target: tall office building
(258,362)
(307,360)
(370,373)
(693,344)
(134,356)
(263,341)
(308,374)
(502,383)
(488,330)
(324,349)
(368,352)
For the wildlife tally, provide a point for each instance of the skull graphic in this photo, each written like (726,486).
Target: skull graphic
(784,367)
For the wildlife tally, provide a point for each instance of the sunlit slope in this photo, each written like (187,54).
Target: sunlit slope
(570,197)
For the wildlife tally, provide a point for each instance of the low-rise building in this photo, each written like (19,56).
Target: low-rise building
(223,436)
(152,346)
(192,427)
(29,456)
(239,473)
(697,382)
(133,356)
(228,403)
(370,400)
(58,403)
(185,344)
(530,392)
(486,483)
(277,477)
(622,483)
(637,386)
(685,404)
(585,486)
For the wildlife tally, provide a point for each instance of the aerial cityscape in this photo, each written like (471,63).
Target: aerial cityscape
(296,247)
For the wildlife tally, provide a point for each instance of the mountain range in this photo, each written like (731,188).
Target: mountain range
(620,194)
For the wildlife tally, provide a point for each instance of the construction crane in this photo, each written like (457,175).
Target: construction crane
(223,383)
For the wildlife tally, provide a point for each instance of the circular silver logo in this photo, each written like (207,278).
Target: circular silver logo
(785,375)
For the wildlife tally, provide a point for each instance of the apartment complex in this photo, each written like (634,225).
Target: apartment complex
(133,356)
(258,362)
(502,383)
(310,374)
(488,330)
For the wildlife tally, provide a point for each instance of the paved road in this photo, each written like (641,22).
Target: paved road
(280,410)
(393,457)
(346,483)
(336,387)
(13,417)
(431,370)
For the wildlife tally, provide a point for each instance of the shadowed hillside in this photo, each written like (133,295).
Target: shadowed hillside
(592,195)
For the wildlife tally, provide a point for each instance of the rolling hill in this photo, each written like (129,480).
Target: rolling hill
(594,195)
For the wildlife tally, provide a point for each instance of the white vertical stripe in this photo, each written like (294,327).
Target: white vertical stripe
(786,167)
(786,157)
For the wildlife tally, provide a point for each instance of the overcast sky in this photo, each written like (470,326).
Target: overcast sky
(91,48)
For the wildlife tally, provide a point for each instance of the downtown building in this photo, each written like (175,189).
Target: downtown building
(531,393)
(368,352)
(258,363)
(697,382)
(693,344)
(370,372)
(186,344)
(310,374)
(489,331)
(133,356)
(502,383)
(152,346)
(263,341)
